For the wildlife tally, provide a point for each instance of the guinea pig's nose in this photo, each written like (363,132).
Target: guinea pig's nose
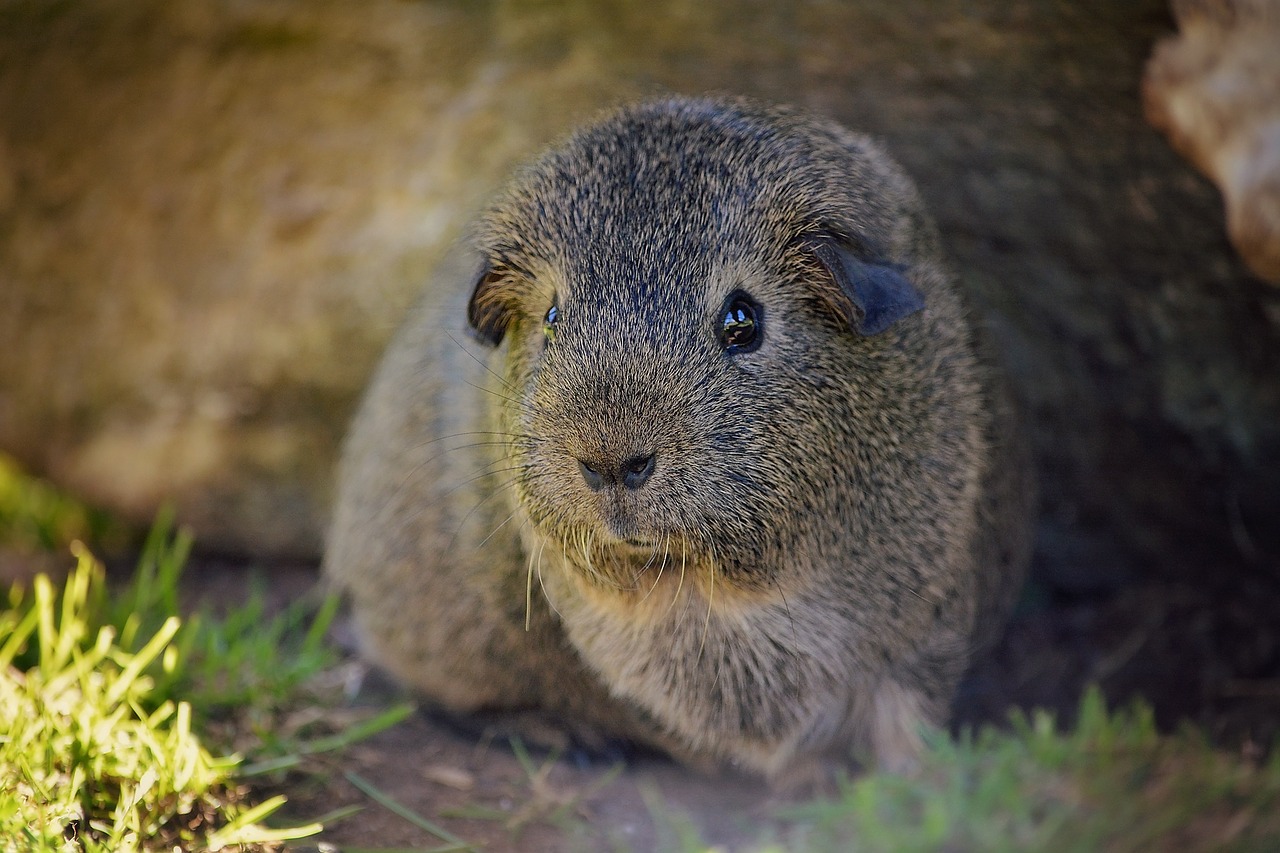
(633,473)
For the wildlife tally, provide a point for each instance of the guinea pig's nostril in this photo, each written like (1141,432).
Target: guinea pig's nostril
(595,480)
(632,473)
(636,471)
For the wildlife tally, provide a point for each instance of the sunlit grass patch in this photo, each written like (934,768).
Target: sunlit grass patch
(92,755)
(116,709)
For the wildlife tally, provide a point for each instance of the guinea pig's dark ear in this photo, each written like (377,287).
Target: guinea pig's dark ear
(870,294)
(488,311)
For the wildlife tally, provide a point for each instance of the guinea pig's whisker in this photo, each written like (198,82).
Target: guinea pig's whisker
(585,540)
(475,508)
(795,640)
(438,499)
(706,623)
(520,405)
(653,556)
(502,434)
(679,583)
(494,531)
(487,472)
(534,557)
(647,565)
(600,572)
(666,542)
(418,468)
(579,541)
(635,575)
(507,388)
(528,590)
(546,596)
(480,361)
(484,469)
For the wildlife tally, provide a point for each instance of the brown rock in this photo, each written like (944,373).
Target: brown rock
(1215,90)
(211,220)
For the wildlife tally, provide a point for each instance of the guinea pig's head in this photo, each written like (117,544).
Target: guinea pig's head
(703,311)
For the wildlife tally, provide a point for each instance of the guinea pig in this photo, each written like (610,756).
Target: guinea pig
(724,467)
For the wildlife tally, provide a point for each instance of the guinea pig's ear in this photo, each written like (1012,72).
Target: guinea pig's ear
(870,294)
(488,311)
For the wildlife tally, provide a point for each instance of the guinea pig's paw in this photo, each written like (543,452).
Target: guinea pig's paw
(812,778)
(898,723)
(554,736)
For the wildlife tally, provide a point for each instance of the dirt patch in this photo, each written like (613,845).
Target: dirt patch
(1205,656)
(479,790)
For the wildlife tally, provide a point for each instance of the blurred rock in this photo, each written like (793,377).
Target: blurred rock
(212,214)
(1215,90)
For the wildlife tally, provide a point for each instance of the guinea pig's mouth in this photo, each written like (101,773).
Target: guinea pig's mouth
(621,527)
(629,541)
(640,543)
(628,538)
(637,550)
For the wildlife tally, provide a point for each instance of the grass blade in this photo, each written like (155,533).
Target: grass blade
(417,820)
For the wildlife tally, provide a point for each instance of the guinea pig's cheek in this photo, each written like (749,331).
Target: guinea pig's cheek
(555,489)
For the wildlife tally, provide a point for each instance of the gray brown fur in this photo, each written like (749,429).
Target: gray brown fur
(833,523)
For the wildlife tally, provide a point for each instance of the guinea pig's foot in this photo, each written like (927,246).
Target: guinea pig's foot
(581,744)
(545,735)
(898,724)
(820,777)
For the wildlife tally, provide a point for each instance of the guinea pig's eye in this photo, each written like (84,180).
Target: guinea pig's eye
(742,324)
(550,321)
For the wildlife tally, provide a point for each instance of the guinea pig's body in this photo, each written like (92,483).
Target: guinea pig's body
(735,478)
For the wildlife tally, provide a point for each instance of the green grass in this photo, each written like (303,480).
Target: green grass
(36,517)
(1111,783)
(93,754)
(110,698)
(242,670)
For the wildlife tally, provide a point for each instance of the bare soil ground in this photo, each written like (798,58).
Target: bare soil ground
(1205,656)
